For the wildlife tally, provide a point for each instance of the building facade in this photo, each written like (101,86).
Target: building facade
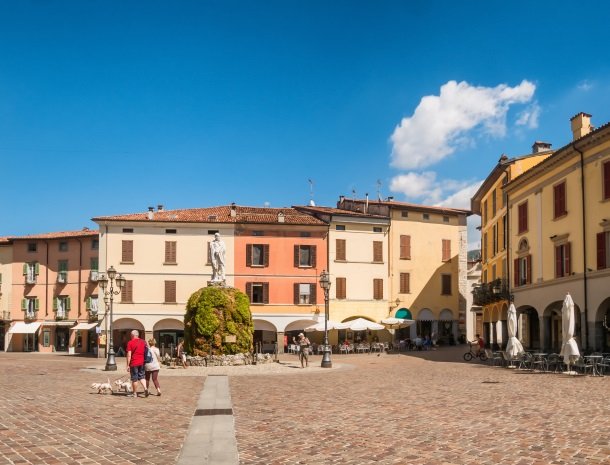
(6,273)
(559,230)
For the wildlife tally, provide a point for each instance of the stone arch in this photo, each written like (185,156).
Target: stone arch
(263,325)
(504,312)
(127,323)
(350,318)
(528,327)
(601,335)
(425,314)
(121,330)
(168,323)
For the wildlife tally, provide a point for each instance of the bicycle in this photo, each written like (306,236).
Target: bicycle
(468,356)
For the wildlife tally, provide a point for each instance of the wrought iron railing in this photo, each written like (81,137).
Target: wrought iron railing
(487,293)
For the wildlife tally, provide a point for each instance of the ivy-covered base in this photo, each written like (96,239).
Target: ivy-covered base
(215,317)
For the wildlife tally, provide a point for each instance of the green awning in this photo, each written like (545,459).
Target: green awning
(404,313)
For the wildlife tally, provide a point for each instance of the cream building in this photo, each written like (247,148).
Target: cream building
(6,260)
(426,265)
(559,240)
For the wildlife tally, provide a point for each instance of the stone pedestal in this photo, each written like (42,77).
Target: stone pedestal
(221,283)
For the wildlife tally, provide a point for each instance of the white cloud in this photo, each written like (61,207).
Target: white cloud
(529,116)
(585,85)
(441,124)
(461,198)
(425,188)
(473,234)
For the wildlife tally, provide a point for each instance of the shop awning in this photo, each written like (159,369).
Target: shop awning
(85,326)
(24,328)
(404,313)
(65,323)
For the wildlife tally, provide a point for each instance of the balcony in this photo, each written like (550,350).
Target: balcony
(62,277)
(30,315)
(59,316)
(29,279)
(6,315)
(488,293)
(93,317)
(93,276)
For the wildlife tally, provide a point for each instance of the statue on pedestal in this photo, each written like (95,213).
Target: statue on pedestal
(218,256)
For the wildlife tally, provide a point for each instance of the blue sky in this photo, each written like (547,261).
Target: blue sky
(109,107)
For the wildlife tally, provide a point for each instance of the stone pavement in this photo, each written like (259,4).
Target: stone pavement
(419,408)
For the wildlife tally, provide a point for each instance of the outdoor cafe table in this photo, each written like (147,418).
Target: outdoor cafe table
(595,359)
(539,358)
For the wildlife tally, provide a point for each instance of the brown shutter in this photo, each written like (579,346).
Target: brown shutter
(170,251)
(446,251)
(313,252)
(341,288)
(377,289)
(340,244)
(601,248)
(558,273)
(567,252)
(446,284)
(265,293)
(170,291)
(312,294)
(249,291)
(296,256)
(248,254)
(296,293)
(529,269)
(606,192)
(405,283)
(127,251)
(405,247)
(556,210)
(378,251)
(516,272)
(127,292)
(266,255)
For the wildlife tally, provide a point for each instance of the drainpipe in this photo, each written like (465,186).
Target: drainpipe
(46,286)
(584,242)
(80,268)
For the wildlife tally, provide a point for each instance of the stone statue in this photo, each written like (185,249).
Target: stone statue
(217,255)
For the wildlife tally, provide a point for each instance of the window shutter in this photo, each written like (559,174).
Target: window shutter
(94,264)
(265,293)
(377,289)
(405,283)
(601,249)
(312,294)
(36,304)
(567,252)
(88,303)
(37,268)
(170,251)
(68,303)
(558,263)
(556,208)
(340,249)
(25,269)
(446,250)
(296,256)
(127,251)
(606,175)
(55,303)
(312,248)
(296,293)
(529,269)
(127,292)
(378,251)
(170,291)
(341,284)
(405,247)
(516,272)
(24,304)
(249,291)
(266,255)
(248,254)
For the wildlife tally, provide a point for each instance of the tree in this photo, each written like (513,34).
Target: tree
(212,313)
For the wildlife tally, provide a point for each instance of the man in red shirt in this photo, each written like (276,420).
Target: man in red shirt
(135,362)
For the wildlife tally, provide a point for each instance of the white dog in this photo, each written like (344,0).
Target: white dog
(102,388)
(123,385)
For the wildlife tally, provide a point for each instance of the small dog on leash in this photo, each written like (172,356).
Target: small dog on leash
(102,388)
(123,385)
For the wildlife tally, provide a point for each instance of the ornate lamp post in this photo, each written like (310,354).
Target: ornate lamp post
(108,281)
(325,285)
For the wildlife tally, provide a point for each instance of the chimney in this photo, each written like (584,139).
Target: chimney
(151,212)
(390,198)
(341,198)
(366,207)
(159,208)
(540,146)
(233,210)
(581,125)
(280,217)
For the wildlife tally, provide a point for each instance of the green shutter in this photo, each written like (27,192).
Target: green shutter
(37,268)
(55,304)
(0,278)
(94,264)
(68,303)
(24,304)
(25,269)
(36,304)
(88,304)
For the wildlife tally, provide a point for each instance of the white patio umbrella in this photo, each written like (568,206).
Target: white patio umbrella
(499,333)
(569,348)
(330,325)
(361,324)
(396,323)
(513,346)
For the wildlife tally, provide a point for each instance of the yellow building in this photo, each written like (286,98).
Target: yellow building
(6,260)
(491,298)
(426,266)
(559,240)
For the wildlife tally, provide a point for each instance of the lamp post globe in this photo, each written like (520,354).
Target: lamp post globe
(325,285)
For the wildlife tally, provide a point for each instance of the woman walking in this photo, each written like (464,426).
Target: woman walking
(152,368)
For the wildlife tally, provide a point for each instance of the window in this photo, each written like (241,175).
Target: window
(305,256)
(606,180)
(426,216)
(378,289)
(305,234)
(340,227)
(523,270)
(493,272)
(32,246)
(446,251)
(258,233)
(94,264)
(93,305)
(30,272)
(493,203)
(405,283)
(484,247)
(257,254)
(61,307)
(445,284)
(495,239)
(603,250)
(30,306)
(170,231)
(63,246)
(562,260)
(95,244)
(127,230)
(445,219)
(404,214)
(522,217)
(170,252)
(405,247)
(377,230)
(127,252)
(341,252)
(170,292)
(211,232)
(484,214)
(559,200)
(258,292)
(341,284)
(62,271)
(304,294)
(127,292)
(378,251)
(504,232)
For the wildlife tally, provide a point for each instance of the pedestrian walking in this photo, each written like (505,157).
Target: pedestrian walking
(152,368)
(136,349)
(304,350)
(181,354)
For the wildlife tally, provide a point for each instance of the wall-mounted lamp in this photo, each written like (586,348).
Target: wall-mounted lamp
(553,236)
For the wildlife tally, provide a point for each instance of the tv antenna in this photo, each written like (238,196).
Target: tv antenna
(379,190)
(311,201)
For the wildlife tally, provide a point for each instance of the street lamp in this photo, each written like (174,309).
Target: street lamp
(325,285)
(108,281)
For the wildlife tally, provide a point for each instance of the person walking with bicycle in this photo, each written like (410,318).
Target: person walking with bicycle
(481,343)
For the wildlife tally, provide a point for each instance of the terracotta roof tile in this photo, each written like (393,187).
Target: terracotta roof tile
(337,211)
(5,240)
(220,214)
(58,235)
(415,206)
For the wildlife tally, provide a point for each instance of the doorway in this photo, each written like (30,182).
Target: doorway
(61,339)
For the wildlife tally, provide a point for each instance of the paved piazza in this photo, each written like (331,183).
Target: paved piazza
(419,408)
